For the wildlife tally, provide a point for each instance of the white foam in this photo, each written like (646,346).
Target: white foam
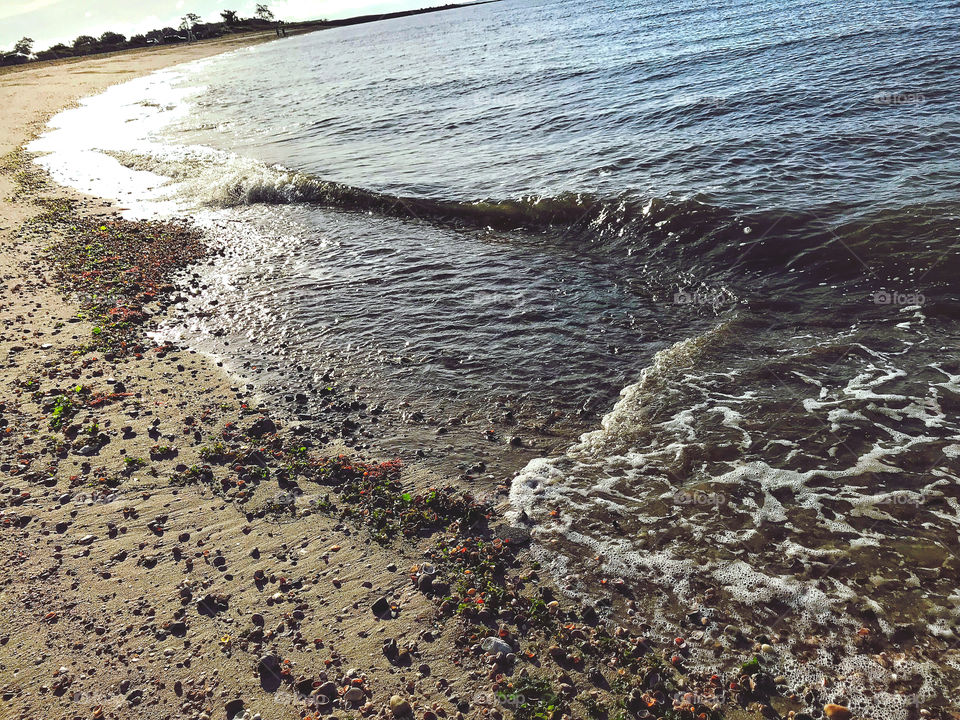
(648,451)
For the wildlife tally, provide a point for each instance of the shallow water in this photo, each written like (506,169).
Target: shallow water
(719,242)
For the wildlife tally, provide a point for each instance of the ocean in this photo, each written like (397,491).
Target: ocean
(684,278)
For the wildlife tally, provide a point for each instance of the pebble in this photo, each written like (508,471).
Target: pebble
(399,707)
(837,712)
(234,709)
(263,426)
(425,583)
(327,690)
(354,695)
(495,645)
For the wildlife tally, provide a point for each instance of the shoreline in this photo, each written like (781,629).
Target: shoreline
(132,580)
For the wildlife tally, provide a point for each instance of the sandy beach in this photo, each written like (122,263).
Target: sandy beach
(172,550)
(91,580)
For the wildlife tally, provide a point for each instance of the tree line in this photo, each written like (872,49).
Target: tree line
(190,29)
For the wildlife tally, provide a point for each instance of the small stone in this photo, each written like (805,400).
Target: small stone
(355,695)
(87,539)
(399,707)
(263,426)
(381,606)
(495,646)
(211,604)
(837,712)
(328,690)
(268,667)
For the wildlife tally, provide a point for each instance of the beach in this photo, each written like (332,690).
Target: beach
(136,580)
(282,446)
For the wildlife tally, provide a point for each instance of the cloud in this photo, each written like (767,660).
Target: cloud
(311,10)
(25,8)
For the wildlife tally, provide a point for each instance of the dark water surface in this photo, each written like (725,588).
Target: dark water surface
(722,242)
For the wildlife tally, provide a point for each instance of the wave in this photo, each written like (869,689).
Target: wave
(893,250)
(790,484)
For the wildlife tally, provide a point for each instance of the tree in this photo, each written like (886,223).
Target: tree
(24,46)
(230,17)
(138,40)
(84,45)
(207,30)
(189,20)
(264,12)
(57,51)
(112,38)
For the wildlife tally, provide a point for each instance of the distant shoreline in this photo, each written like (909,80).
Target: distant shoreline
(257,34)
(166,54)
(360,19)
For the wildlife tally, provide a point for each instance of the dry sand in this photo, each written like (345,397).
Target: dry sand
(83,604)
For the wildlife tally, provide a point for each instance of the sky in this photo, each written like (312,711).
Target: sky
(52,21)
